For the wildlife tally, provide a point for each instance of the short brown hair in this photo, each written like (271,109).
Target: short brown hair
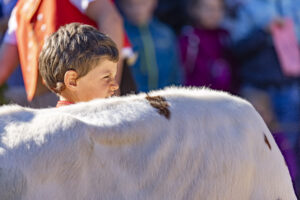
(75,47)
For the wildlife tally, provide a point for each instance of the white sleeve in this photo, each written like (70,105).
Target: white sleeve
(10,35)
(81,4)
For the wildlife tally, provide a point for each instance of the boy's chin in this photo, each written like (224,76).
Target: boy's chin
(109,96)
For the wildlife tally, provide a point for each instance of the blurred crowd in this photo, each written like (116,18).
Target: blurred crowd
(228,45)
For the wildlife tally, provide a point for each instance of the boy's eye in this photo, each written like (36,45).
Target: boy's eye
(106,76)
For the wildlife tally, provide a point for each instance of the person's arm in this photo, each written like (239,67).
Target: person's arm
(3,25)
(9,55)
(9,60)
(256,40)
(109,22)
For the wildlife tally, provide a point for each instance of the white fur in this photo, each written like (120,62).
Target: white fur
(211,148)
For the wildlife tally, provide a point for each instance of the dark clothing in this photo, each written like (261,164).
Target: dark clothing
(258,61)
(205,60)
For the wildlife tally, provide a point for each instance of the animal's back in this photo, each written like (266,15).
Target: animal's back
(172,144)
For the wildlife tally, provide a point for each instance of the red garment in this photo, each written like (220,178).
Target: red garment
(63,103)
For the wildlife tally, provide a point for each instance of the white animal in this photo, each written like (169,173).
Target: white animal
(175,144)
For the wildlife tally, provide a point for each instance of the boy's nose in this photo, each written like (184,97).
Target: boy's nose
(114,86)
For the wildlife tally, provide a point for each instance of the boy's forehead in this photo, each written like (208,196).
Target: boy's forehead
(106,65)
(104,59)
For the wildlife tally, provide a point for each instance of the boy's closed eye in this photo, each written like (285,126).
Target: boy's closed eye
(106,76)
(109,76)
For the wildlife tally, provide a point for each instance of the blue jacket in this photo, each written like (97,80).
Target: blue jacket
(163,66)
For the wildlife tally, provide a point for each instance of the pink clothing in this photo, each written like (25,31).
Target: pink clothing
(203,55)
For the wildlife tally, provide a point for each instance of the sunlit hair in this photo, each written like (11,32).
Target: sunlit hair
(75,47)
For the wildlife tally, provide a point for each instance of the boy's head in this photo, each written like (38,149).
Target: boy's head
(206,13)
(138,12)
(79,63)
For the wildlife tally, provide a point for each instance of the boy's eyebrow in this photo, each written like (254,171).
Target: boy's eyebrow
(105,72)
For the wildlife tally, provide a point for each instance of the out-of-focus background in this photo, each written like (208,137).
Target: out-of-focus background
(249,48)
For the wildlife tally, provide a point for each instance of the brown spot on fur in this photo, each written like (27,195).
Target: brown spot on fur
(267,142)
(160,104)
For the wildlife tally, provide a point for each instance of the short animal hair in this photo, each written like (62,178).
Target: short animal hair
(77,47)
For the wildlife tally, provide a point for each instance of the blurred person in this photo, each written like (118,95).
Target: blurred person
(33,21)
(259,66)
(157,64)
(204,47)
(15,90)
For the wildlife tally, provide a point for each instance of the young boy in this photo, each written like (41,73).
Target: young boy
(79,64)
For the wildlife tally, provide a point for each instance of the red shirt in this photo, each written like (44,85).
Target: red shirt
(63,103)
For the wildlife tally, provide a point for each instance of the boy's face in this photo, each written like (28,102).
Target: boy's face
(98,83)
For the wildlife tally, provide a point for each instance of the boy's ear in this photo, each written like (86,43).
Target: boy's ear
(70,79)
